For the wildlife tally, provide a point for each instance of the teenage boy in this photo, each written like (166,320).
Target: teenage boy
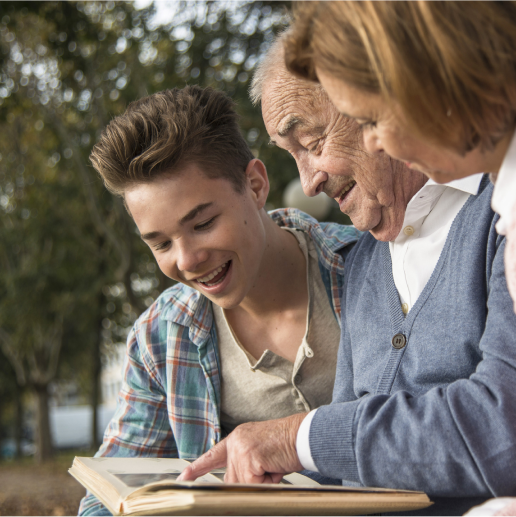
(251,330)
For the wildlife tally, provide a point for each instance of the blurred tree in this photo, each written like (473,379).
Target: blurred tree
(11,408)
(46,260)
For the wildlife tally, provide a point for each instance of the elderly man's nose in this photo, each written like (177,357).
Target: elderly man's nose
(313,182)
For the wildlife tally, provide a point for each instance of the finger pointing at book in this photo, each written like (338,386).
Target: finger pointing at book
(256,452)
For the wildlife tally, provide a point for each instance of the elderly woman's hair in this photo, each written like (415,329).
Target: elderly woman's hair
(447,64)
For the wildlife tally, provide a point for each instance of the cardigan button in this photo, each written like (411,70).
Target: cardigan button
(399,341)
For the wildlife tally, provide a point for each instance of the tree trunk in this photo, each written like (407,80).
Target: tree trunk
(3,434)
(44,450)
(95,391)
(96,369)
(18,422)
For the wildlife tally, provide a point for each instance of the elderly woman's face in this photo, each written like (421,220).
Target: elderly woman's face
(384,130)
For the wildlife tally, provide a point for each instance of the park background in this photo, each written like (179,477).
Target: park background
(74,274)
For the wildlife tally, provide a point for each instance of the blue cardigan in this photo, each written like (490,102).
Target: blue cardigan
(438,414)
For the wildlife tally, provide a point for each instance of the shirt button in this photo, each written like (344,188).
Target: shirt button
(309,352)
(252,369)
(297,378)
(399,341)
(408,230)
(404,308)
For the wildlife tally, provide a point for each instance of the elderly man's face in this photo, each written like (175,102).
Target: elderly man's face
(372,189)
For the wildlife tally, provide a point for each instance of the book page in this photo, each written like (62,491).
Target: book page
(138,475)
(288,479)
(127,475)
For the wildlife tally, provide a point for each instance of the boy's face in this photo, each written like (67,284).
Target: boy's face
(202,232)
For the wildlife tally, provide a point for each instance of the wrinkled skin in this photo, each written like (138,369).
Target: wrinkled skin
(385,131)
(328,150)
(256,452)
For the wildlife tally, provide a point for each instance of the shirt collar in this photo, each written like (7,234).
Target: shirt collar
(427,197)
(504,195)
(470,184)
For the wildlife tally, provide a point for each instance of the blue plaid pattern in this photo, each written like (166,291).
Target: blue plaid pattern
(169,405)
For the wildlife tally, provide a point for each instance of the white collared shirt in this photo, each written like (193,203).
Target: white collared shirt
(504,194)
(414,255)
(428,218)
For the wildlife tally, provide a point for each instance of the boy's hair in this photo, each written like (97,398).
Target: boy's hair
(163,132)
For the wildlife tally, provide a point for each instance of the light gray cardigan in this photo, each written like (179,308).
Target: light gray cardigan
(439,414)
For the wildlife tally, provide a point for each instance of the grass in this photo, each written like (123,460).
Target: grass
(45,489)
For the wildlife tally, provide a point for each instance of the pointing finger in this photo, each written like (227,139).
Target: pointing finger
(215,458)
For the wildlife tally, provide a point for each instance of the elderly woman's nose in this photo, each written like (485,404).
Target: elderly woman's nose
(372,142)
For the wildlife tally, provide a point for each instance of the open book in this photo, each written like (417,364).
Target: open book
(148,486)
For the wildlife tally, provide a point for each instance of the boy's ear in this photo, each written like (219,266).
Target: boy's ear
(258,182)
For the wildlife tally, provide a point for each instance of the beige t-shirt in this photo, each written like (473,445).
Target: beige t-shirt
(273,387)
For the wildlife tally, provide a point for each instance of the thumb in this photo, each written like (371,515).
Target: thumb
(215,458)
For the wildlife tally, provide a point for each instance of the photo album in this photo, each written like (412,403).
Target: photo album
(148,486)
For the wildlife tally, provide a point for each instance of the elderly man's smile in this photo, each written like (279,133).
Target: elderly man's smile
(345,194)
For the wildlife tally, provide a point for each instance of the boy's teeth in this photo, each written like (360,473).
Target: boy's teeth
(213,274)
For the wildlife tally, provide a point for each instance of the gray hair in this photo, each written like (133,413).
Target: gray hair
(270,60)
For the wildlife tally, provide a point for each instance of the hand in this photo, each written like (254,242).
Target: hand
(257,452)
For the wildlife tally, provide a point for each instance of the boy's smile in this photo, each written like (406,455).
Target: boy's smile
(215,277)
(202,232)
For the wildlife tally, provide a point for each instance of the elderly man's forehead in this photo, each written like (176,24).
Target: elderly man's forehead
(290,102)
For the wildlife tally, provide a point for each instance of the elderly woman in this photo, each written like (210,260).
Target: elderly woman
(432,84)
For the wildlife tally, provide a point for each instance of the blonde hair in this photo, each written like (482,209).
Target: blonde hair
(450,66)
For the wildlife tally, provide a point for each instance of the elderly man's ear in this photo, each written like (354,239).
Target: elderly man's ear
(257,182)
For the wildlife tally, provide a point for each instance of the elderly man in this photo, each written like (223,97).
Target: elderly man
(424,393)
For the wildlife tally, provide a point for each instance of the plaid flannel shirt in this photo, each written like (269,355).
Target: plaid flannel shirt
(169,405)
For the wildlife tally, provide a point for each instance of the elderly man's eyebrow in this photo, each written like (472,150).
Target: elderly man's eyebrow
(287,126)
(194,212)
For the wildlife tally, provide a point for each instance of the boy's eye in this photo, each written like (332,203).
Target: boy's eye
(205,225)
(162,246)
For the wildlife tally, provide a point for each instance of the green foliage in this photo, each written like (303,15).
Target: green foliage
(69,252)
